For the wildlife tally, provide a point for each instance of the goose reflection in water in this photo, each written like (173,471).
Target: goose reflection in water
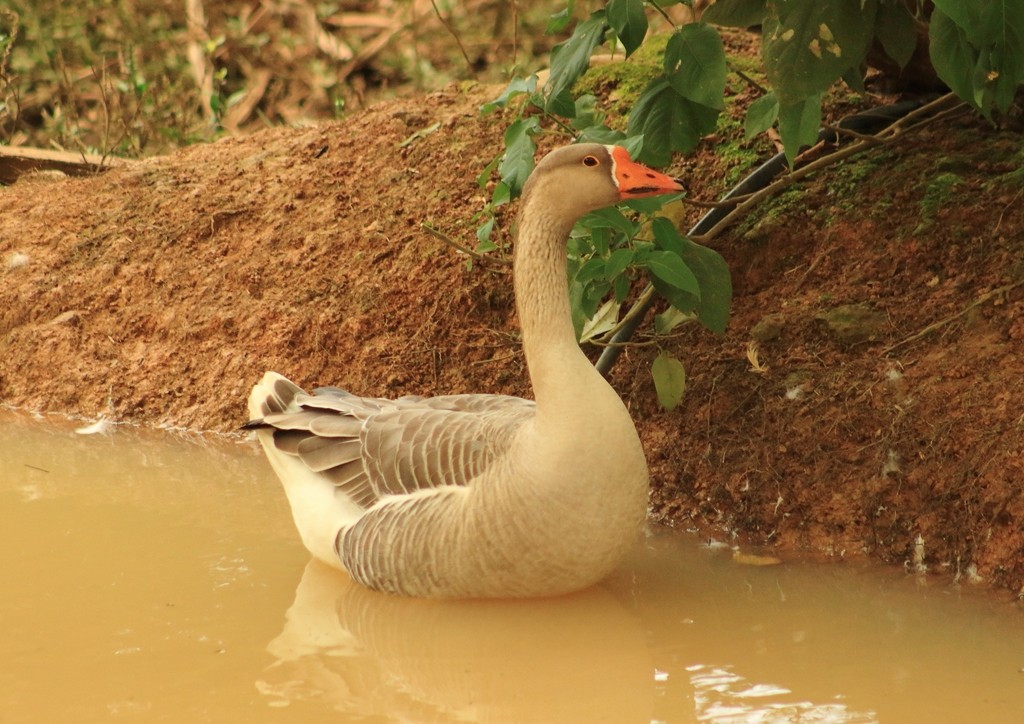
(581,657)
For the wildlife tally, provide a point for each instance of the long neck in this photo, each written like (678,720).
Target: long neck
(559,371)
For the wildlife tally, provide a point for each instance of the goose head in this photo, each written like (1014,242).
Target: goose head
(574,180)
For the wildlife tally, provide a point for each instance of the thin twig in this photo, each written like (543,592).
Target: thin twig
(471,253)
(458,40)
(886,135)
(662,12)
(953,317)
(840,131)
(999,221)
(750,81)
(721,204)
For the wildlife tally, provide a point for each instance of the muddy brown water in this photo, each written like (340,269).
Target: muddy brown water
(153,576)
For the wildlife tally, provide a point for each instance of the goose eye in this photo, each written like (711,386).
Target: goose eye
(591,161)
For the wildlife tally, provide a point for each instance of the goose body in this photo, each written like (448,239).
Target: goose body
(479,495)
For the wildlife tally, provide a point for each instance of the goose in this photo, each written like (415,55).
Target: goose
(476,495)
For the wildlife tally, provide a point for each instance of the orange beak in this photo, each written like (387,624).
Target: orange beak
(635,180)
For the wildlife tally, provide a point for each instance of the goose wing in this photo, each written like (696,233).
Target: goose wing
(371,447)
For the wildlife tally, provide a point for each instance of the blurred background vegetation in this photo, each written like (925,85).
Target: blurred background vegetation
(142,77)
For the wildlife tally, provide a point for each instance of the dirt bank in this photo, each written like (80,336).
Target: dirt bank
(885,301)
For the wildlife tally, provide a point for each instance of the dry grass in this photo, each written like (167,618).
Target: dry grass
(140,77)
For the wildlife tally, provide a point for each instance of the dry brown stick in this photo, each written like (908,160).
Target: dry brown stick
(16,161)
(240,112)
(195,19)
(498,262)
(953,317)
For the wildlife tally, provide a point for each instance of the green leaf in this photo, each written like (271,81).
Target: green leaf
(604,320)
(609,218)
(666,235)
(634,144)
(735,13)
(668,122)
(483,232)
(485,176)
(965,14)
(854,79)
(600,134)
(585,113)
(600,239)
(896,31)
(671,269)
(561,104)
(617,263)
(502,194)
(799,124)
(713,301)
(695,64)
(808,45)
(683,301)
(571,58)
(952,56)
(669,380)
(629,21)
(978,50)
(484,247)
(621,286)
(712,271)
(517,164)
(761,115)
(591,269)
(557,22)
(652,204)
(517,87)
(668,320)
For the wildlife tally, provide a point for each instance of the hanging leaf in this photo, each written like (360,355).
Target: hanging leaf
(761,115)
(617,262)
(798,125)
(977,49)
(896,31)
(672,270)
(713,302)
(669,380)
(571,58)
(808,46)
(601,134)
(735,13)
(629,21)
(695,64)
(517,164)
(668,122)
(557,22)
(609,218)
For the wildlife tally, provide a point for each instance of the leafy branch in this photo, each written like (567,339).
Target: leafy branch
(976,47)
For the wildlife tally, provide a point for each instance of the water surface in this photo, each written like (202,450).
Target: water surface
(150,576)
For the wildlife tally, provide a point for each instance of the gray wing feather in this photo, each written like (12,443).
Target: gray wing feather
(373,447)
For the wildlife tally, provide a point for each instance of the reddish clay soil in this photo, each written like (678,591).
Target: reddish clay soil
(159,293)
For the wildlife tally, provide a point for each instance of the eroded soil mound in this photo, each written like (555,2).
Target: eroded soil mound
(885,300)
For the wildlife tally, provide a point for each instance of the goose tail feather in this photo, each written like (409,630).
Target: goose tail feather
(320,510)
